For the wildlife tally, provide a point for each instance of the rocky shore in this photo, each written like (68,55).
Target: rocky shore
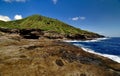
(25,54)
(37,33)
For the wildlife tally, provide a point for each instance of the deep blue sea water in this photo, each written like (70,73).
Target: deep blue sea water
(108,47)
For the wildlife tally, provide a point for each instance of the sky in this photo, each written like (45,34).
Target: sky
(100,16)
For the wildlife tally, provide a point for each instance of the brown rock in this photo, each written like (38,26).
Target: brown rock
(31,33)
(76,37)
(53,35)
(44,57)
(6,30)
(59,62)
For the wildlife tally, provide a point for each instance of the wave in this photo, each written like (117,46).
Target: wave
(113,57)
(94,40)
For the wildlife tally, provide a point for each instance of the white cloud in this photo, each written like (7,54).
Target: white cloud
(4,18)
(55,1)
(78,18)
(17,17)
(82,18)
(15,0)
(75,18)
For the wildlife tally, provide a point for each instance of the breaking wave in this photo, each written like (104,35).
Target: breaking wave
(106,47)
(113,57)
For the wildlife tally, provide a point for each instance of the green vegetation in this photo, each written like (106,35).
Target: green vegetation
(43,23)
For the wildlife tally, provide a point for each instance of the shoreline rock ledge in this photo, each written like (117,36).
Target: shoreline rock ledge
(38,33)
(50,57)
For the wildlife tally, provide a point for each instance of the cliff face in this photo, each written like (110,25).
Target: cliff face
(38,33)
(45,57)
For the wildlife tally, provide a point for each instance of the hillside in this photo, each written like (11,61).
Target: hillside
(47,24)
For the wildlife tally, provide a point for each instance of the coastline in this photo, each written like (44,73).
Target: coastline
(112,57)
(92,40)
(48,57)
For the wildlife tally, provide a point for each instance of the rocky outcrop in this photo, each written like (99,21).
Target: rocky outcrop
(53,35)
(46,57)
(76,37)
(6,30)
(31,33)
(37,33)
(89,36)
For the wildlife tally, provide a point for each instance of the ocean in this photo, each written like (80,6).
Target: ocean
(107,47)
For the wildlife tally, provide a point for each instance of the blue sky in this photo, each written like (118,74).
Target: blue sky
(101,16)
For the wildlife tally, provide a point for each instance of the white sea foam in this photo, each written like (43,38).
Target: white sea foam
(113,57)
(94,40)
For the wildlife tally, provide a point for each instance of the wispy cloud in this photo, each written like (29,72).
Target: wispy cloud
(17,17)
(78,18)
(82,18)
(75,18)
(14,1)
(4,18)
(55,1)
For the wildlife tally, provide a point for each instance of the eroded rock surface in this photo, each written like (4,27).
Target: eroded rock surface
(37,33)
(31,33)
(46,57)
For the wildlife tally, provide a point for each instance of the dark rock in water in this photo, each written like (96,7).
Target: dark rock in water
(31,33)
